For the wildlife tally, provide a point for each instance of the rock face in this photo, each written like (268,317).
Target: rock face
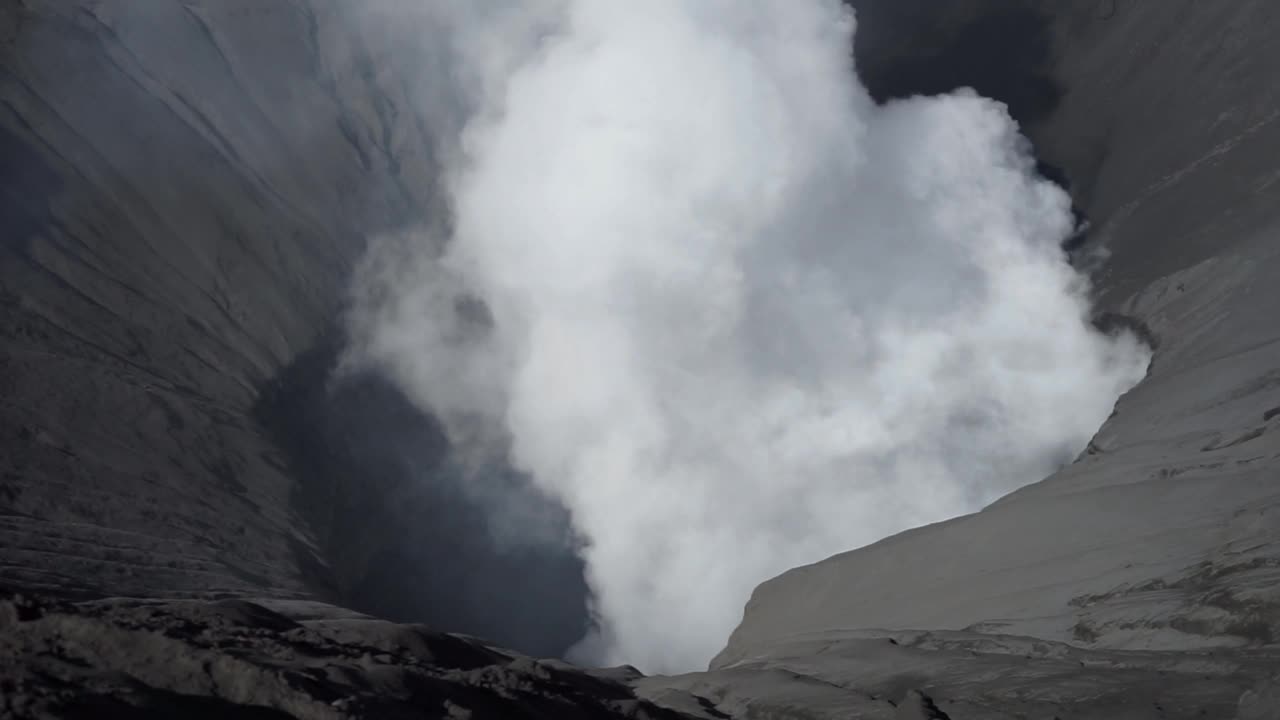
(183,191)
(171,240)
(185,187)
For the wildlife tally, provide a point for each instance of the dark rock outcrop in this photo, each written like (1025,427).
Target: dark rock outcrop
(918,706)
(1163,534)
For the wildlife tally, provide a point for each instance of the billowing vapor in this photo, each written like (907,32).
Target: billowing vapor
(731,313)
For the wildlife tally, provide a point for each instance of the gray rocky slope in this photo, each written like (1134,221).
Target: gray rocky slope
(185,187)
(183,190)
(1162,542)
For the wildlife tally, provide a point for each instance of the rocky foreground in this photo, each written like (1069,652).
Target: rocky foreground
(296,659)
(121,658)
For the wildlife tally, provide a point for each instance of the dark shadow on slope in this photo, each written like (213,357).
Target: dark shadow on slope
(25,184)
(401,537)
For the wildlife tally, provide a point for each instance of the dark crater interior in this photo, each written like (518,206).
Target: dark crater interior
(404,539)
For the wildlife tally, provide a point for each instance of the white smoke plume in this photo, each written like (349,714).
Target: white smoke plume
(733,314)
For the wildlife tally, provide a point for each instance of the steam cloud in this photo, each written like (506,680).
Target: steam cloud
(734,315)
